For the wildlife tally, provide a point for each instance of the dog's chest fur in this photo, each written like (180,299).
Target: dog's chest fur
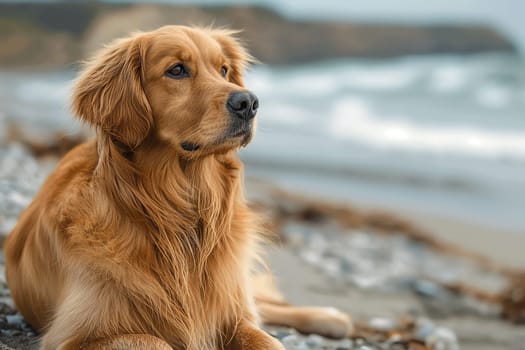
(177,262)
(202,258)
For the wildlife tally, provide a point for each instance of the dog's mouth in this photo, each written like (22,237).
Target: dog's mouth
(243,132)
(239,129)
(231,137)
(240,133)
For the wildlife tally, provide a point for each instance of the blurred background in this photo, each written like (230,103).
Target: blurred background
(414,108)
(410,106)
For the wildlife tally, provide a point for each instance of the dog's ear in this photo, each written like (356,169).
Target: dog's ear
(233,49)
(108,93)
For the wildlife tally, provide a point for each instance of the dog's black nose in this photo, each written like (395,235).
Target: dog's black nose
(243,104)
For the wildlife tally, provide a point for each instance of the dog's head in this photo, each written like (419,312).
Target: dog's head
(183,86)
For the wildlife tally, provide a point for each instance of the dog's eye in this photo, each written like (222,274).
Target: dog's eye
(224,71)
(177,72)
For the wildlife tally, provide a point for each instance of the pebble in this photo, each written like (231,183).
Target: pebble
(293,342)
(424,328)
(427,288)
(382,324)
(344,344)
(279,334)
(365,347)
(14,319)
(314,340)
(443,339)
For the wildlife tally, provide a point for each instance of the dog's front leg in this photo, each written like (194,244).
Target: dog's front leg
(129,341)
(117,342)
(93,316)
(249,336)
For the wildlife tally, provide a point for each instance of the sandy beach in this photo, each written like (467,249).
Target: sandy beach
(476,327)
(503,246)
(312,288)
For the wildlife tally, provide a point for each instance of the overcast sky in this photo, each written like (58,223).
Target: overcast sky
(506,15)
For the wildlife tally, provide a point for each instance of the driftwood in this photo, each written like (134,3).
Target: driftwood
(55,146)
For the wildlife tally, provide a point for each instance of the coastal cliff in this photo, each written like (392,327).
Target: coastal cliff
(54,35)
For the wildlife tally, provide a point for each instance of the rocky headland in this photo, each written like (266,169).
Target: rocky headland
(56,35)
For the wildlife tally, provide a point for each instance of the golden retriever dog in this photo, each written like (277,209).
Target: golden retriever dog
(142,239)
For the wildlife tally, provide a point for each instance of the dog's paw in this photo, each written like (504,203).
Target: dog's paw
(328,322)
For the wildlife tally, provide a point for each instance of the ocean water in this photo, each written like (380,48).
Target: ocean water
(442,135)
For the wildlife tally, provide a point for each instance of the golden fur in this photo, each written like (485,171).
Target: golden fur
(135,242)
